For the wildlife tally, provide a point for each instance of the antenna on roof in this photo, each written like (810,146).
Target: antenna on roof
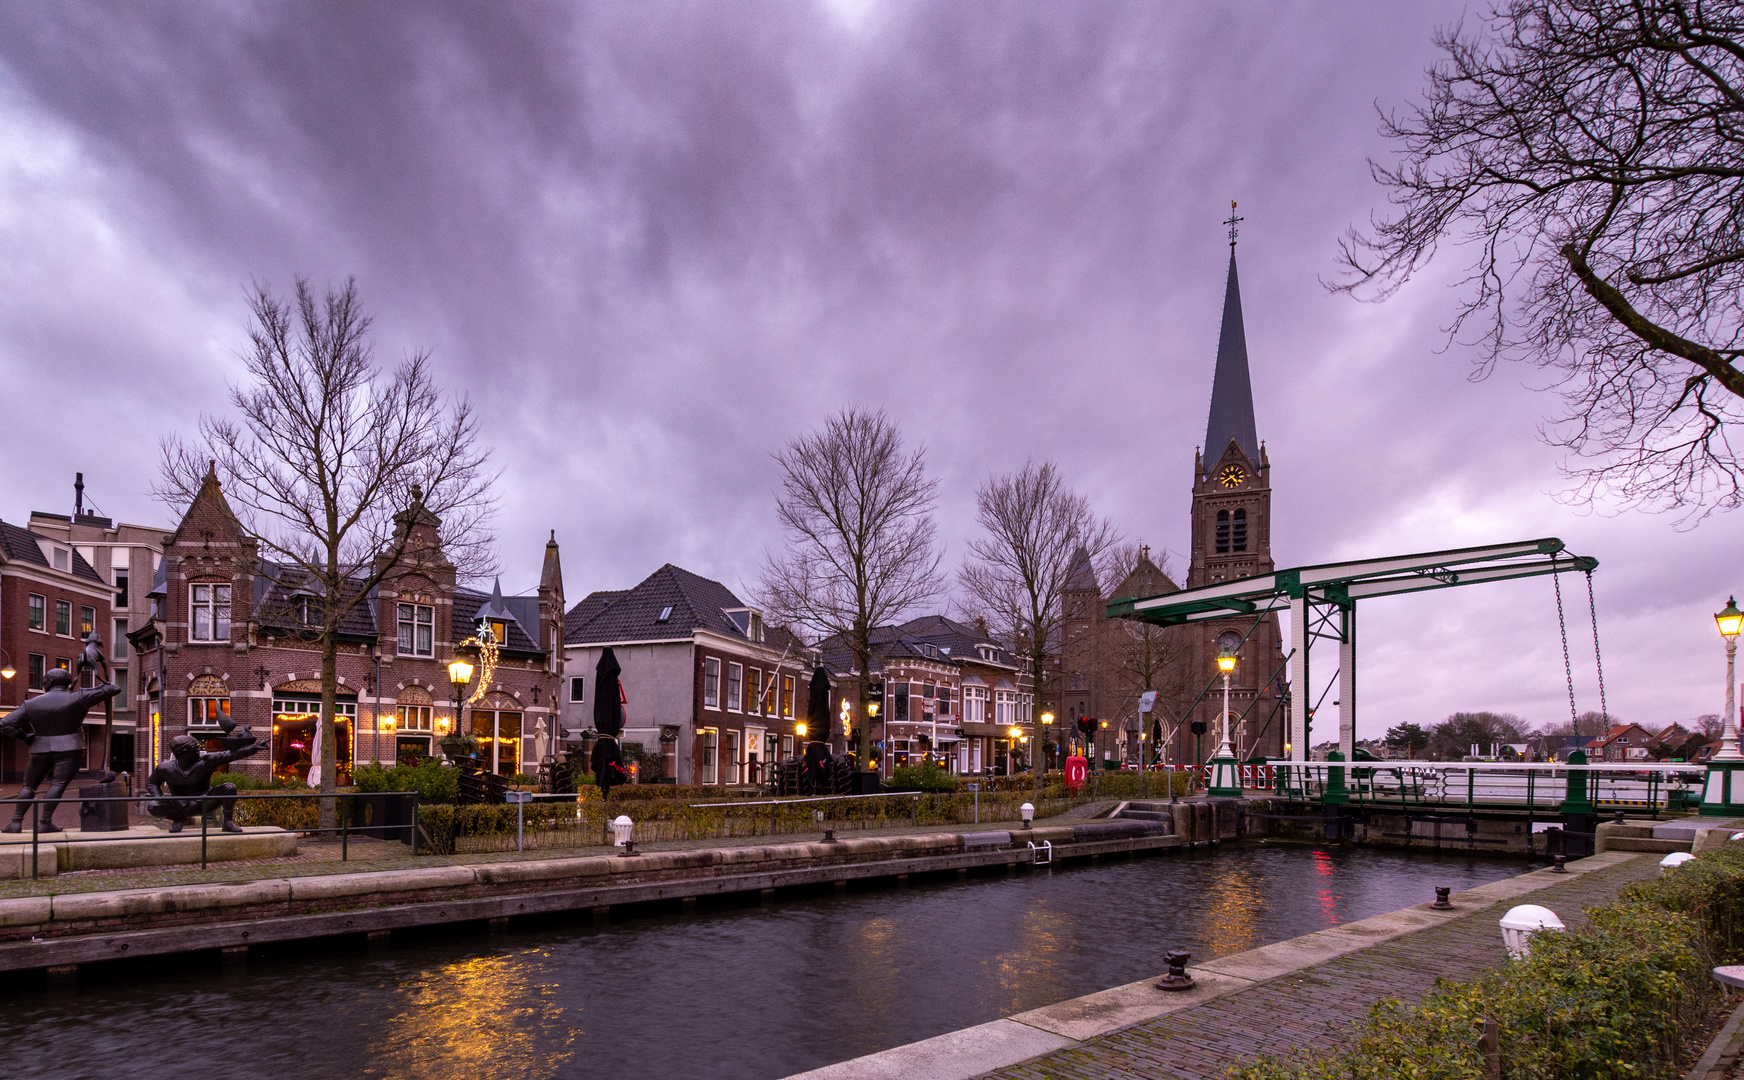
(78,494)
(1232,221)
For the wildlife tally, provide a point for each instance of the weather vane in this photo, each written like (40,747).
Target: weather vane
(1232,221)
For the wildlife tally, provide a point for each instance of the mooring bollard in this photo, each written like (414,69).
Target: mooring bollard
(1442,903)
(621,828)
(1561,863)
(1177,978)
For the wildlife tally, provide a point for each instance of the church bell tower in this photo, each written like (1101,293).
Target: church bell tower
(1231,539)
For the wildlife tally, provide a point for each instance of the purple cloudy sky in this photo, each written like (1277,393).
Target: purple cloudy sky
(654,241)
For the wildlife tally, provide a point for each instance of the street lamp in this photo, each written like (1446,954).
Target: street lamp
(1014,734)
(459,674)
(1225,770)
(1723,791)
(6,668)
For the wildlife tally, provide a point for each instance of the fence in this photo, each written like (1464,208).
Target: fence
(1473,785)
(355,812)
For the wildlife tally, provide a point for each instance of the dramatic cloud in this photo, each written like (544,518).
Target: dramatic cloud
(653,241)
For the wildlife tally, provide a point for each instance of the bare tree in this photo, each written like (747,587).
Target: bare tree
(1591,152)
(1135,657)
(327,449)
(861,543)
(1017,572)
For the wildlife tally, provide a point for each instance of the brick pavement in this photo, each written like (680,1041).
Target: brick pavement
(1315,1006)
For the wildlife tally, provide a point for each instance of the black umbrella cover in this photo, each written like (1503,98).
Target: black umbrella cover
(608,695)
(817,705)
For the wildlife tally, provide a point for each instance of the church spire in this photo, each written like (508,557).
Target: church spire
(1232,414)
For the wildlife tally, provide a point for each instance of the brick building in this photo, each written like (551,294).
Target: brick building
(50,596)
(947,689)
(232,634)
(710,688)
(126,557)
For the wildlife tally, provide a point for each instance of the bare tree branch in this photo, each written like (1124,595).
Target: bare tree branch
(1017,571)
(326,450)
(862,546)
(1590,153)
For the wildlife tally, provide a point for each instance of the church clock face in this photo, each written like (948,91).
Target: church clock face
(1231,475)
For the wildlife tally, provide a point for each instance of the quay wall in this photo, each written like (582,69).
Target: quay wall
(59,931)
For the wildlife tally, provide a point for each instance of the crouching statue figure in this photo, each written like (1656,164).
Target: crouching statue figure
(181,786)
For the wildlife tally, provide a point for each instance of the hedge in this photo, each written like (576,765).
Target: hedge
(1610,1000)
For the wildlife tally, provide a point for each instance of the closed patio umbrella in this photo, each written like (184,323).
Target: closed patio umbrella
(817,718)
(608,720)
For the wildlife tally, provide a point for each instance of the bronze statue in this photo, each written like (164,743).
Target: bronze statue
(187,776)
(53,725)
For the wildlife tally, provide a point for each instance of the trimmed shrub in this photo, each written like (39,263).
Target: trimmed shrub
(927,777)
(1610,1000)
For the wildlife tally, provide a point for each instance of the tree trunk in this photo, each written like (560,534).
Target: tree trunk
(863,659)
(329,729)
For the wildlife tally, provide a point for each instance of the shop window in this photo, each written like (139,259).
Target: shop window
(209,611)
(295,719)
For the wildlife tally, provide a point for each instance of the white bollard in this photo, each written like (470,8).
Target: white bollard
(1028,812)
(621,826)
(1520,923)
(1675,860)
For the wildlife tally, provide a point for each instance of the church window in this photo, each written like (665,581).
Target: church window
(1223,532)
(1239,540)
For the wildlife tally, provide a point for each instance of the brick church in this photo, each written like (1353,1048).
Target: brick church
(1105,664)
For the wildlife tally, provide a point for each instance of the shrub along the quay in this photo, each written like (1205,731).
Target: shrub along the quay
(1612,999)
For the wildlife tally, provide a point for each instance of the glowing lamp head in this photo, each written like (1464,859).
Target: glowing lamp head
(1047,718)
(872,708)
(799,729)
(1730,619)
(8,671)
(1226,663)
(1015,733)
(459,672)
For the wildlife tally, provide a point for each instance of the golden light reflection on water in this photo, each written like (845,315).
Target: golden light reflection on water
(1233,907)
(1038,965)
(875,971)
(486,1016)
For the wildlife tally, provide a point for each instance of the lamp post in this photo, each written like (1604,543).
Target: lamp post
(6,668)
(1013,734)
(1722,793)
(1042,743)
(1225,770)
(459,674)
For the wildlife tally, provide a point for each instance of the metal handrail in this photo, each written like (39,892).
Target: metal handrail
(343,828)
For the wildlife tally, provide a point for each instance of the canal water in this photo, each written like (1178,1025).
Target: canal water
(736,990)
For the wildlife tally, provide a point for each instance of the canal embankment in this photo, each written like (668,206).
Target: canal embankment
(1277,999)
(60,931)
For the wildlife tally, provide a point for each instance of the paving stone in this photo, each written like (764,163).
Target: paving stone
(1314,1007)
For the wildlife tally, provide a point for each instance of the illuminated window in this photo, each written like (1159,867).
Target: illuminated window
(205,712)
(787,696)
(711,768)
(38,612)
(413,717)
(87,619)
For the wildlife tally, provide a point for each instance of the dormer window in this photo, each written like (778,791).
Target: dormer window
(499,629)
(665,614)
(756,627)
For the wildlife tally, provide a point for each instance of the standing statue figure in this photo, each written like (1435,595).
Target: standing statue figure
(187,776)
(53,725)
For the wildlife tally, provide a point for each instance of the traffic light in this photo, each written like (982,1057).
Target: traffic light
(1086,725)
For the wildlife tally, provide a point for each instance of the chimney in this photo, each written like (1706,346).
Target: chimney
(981,625)
(78,495)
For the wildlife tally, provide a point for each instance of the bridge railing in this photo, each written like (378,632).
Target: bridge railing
(1477,785)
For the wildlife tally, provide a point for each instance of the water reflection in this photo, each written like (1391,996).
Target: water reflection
(734,992)
(475,1017)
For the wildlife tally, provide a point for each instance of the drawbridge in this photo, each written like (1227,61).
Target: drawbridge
(1322,601)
